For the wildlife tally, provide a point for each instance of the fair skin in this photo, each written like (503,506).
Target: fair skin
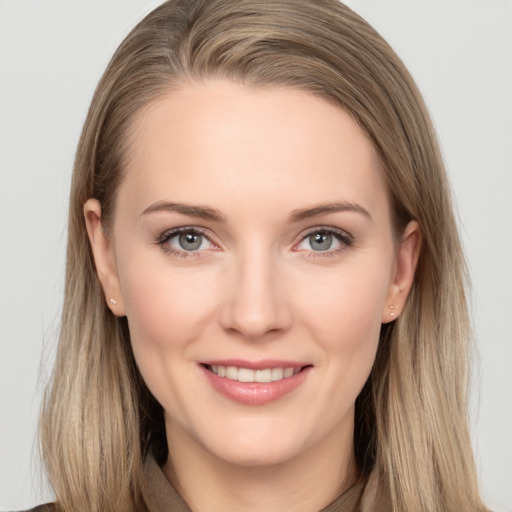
(286,258)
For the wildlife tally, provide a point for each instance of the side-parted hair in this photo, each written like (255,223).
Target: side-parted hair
(99,420)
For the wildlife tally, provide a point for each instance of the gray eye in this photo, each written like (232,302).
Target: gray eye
(321,241)
(190,241)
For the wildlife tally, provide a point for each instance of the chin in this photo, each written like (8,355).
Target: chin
(256,457)
(253,451)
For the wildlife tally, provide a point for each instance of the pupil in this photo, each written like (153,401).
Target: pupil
(190,241)
(320,241)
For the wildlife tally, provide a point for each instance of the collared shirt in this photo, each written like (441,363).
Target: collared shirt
(361,497)
(161,496)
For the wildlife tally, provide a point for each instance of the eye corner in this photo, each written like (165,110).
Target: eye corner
(340,238)
(171,244)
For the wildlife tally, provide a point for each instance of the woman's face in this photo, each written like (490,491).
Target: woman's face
(252,241)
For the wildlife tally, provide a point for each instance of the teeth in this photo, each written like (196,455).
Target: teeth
(232,373)
(245,375)
(248,375)
(277,374)
(263,375)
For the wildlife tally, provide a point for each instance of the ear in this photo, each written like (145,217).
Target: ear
(103,252)
(406,262)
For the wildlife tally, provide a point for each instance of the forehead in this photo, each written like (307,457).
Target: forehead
(218,139)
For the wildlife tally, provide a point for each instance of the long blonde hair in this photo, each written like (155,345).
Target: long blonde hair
(99,420)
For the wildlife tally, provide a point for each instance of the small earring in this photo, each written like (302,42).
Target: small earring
(113,301)
(392,307)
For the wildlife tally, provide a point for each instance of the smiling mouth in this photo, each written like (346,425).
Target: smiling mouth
(263,375)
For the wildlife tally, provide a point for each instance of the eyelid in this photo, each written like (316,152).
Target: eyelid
(342,233)
(343,236)
(171,233)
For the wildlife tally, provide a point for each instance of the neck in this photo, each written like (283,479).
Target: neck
(308,481)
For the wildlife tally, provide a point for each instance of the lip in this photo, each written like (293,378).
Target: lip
(255,393)
(256,365)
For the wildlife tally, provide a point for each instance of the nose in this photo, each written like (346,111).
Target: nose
(257,304)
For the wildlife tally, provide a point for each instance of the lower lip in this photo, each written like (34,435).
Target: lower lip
(255,393)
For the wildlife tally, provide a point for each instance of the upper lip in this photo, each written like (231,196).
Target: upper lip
(256,365)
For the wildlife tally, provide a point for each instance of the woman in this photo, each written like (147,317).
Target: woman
(265,302)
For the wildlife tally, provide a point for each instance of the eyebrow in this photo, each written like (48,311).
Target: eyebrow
(202,212)
(208,213)
(323,209)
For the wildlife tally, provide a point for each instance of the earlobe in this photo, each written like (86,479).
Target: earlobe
(406,263)
(103,252)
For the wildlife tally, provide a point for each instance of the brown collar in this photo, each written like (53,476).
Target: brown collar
(364,496)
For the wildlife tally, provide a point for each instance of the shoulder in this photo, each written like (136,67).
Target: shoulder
(48,507)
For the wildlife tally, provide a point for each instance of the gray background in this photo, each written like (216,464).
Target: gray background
(52,53)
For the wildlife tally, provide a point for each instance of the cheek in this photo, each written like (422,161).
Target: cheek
(344,316)
(166,309)
(166,312)
(346,306)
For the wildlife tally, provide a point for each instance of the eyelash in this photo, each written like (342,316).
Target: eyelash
(345,239)
(168,235)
